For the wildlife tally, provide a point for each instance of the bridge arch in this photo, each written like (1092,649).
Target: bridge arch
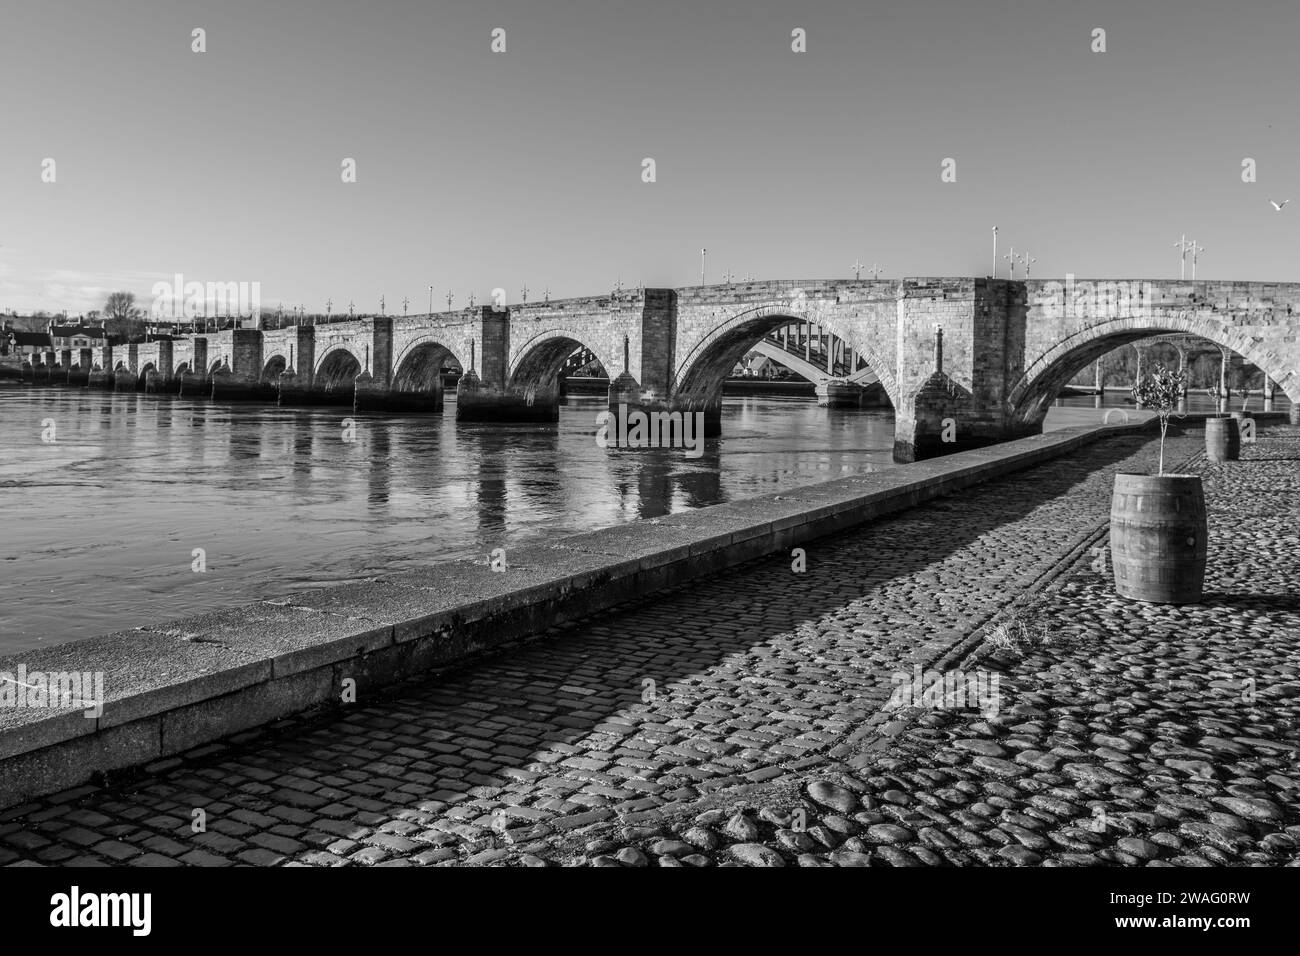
(1047,373)
(537,366)
(418,368)
(700,372)
(183,368)
(337,369)
(422,347)
(273,367)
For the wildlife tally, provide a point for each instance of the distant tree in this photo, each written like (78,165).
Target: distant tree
(122,318)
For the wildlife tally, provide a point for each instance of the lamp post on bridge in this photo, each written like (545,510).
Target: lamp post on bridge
(1011,258)
(381,305)
(1195,250)
(405,302)
(703,255)
(1028,260)
(995,252)
(1183,246)
(449,297)
(431,300)
(351,308)
(329,306)
(524,293)
(875,271)
(546,296)
(857,269)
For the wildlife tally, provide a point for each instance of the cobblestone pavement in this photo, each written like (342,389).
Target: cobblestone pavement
(748,721)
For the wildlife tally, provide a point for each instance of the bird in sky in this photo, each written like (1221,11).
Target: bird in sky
(1278,206)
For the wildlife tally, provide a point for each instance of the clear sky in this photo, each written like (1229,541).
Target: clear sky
(478,169)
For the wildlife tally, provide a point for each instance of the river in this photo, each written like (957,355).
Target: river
(101,525)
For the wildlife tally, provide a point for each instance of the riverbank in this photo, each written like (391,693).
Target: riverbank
(184,684)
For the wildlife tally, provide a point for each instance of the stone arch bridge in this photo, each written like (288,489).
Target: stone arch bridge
(990,355)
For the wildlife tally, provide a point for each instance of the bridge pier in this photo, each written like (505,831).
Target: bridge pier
(480,402)
(242,381)
(193,385)
(230,386)
(124,379)
(46,373)
(80,374)
(159,379)
(485,393)
(373,397)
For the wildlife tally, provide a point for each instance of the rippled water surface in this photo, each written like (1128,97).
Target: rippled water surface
(98,528)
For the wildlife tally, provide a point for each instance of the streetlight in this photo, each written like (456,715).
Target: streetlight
(1183,246)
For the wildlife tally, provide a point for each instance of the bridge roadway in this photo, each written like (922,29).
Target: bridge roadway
(987,356)
(644,733)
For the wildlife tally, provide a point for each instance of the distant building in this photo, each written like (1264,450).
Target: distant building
(78,336)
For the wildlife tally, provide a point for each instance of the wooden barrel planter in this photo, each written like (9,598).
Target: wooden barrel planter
(1158,538)
(1222,439)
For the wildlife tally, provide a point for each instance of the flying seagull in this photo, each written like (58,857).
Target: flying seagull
(1277,206)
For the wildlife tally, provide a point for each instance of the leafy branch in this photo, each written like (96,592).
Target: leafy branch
(1161,391)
